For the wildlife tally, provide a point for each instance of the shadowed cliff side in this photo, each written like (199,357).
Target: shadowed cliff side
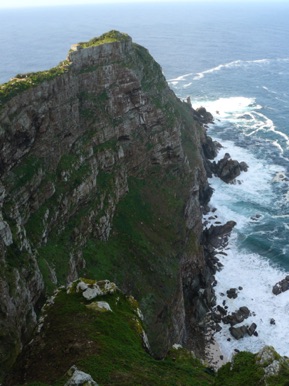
(102,175)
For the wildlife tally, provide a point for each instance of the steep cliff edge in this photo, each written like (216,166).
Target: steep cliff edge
(102,175)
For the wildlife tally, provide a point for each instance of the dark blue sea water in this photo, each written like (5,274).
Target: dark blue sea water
(234,60)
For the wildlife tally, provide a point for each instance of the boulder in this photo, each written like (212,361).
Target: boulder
(238,332)
(221,310)
(251,330)
(232,293)
(281,286)
(228,169)
(237,317)
(79,378)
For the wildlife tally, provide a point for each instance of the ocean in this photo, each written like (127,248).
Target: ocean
(233,59)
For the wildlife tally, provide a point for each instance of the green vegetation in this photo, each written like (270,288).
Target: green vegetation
(24,82)
(152,79)
(244,372)
(24,172)
(106,345)
(142,254)
(109,37)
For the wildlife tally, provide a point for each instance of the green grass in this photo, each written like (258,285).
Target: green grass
(24,82)
(106,345)
(244,372)
(109,37)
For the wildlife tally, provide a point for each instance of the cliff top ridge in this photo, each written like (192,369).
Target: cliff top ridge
(78,56)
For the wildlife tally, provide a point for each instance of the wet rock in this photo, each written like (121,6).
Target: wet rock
(252,329)
(238,332)
(232,293)
(202,115)
(210,148)
(216,317)
(217,235)
(218,328)
(221,310)
(281,286)
(237,317)
(272,321)
(227,169)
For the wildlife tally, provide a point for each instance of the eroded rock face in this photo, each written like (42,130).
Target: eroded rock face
(105,131)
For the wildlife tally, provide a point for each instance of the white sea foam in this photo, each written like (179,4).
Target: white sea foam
(256,277)
(224,108)
(179,79)
(245,114)
(243,269)
(233,64)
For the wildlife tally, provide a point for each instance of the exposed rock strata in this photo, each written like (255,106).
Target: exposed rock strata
(102,173)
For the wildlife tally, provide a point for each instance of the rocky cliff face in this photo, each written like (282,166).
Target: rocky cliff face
(102,175)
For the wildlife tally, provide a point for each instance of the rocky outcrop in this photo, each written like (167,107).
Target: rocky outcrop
(78,344)
(281,286)
(102,173)
(202,115)
(79,378)
(217,236)
(227,169)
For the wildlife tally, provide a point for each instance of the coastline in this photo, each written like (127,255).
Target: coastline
(213,354)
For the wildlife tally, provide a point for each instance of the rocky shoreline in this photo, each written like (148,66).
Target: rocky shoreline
(215,239)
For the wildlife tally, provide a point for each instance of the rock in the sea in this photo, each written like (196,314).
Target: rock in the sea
(228,169)
(237,317)
(238,332)
(232,293)
(281,286)
(252,329)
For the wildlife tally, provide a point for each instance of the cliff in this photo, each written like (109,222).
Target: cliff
(102,176)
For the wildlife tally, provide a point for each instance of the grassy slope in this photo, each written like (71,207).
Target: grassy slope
(107,345)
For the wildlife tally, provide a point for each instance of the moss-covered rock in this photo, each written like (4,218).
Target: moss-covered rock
(266,367)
